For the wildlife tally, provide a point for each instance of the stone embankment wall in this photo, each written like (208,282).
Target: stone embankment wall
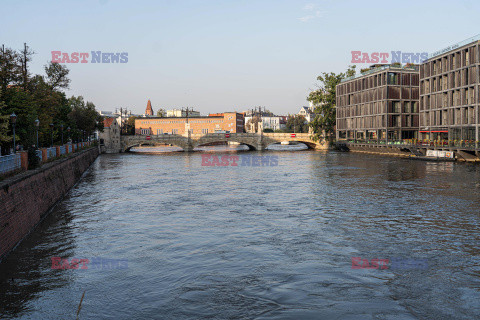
(25,198)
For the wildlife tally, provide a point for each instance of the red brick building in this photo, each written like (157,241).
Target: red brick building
(232,122)
(149,109)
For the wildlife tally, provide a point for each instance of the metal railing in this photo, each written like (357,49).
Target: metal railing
(460,144)
(10,163)
(51,153)
(454,46)
(40,155)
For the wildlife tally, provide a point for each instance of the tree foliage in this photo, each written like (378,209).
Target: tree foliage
(324,101)
(296,123)
(40,97)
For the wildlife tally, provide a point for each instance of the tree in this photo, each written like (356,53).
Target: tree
(84,116)
(161,113)
(4,126)
(296,123)
(57,76)
(324,101)
(9,69)
(25,58)
(130,125)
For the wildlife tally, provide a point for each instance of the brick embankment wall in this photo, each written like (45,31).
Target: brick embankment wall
(25,198)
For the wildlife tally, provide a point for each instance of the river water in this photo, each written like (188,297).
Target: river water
(255,242)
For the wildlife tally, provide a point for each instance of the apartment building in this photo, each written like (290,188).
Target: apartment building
(449,93)
(379,104)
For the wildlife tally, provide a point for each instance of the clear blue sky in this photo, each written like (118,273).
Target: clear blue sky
(224,55)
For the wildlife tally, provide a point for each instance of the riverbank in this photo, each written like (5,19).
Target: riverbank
(26,198)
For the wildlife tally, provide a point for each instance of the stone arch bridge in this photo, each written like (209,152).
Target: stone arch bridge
(255,141)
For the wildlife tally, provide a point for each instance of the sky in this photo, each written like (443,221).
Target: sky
(218,56)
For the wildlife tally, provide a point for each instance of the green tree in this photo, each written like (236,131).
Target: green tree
(9,69)
(161,113)
(4,125)
(296,123)
(324,101)
(130,125)
(57,75)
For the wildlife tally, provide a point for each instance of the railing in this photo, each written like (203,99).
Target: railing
(454,46)
(40,155)
(63,150)
(9,163)
(461,144)
(384,67)
(51,153)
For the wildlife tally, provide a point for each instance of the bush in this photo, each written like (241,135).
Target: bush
(267,130)
(33,159)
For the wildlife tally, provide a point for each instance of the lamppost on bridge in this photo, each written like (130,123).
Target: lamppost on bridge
(13,121)
(68,134)
(37,125)
(61,127)
(51,133)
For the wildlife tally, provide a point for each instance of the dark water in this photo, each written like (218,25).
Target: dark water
(270,242)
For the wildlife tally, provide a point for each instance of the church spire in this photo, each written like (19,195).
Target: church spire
(149,110)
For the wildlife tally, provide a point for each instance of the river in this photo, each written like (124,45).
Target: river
(255,242)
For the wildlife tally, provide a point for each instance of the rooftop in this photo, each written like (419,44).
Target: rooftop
(454,46)
(384,67)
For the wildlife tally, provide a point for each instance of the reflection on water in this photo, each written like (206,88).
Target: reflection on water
(255,242)
(218,148)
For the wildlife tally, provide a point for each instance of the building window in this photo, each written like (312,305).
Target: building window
(174,131)
(159,131)
(204,131)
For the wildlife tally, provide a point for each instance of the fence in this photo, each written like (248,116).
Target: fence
(63,150)
(40,155)
(51,153)
(461,144)
(9,163)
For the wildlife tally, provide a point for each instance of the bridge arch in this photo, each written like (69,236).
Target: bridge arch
(250,142)
(136,141)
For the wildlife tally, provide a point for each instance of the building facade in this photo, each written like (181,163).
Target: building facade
(232,122)
(182,113)
(265,122)
(110,137)
(380,104)
(307,112)
(449,93)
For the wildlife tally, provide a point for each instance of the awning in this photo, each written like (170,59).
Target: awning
(444,131)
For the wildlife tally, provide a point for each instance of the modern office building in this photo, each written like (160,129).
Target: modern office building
(379,104)
(449,93)
(224,122)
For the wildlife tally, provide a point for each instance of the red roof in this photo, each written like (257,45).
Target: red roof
(107,122)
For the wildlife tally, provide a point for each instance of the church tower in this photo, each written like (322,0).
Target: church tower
(149,110)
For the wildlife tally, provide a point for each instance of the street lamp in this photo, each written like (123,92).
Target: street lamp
(13,121)
(51,127)
(37,124)
(68,129)
(61,127)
